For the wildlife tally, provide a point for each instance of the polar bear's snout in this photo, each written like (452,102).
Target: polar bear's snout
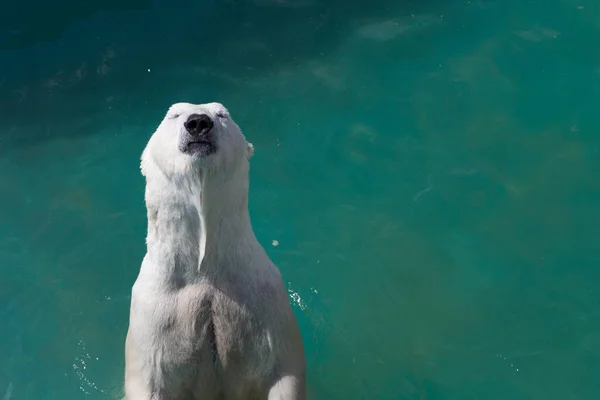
(198,124)
(198,137)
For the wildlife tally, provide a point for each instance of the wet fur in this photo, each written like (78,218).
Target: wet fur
(210,317)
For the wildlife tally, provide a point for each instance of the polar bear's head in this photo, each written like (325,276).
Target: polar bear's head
(196,168)
(194,137)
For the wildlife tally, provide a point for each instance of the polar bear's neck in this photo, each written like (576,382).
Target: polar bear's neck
(226,231)
(201,229)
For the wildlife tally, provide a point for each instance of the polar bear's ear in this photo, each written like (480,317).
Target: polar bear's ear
(250,150)
(143,162)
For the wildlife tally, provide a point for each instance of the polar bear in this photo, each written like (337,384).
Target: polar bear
(210,317)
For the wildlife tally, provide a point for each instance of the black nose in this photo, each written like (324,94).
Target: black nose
(198,124)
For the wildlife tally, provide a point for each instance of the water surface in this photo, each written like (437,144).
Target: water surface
(428,168)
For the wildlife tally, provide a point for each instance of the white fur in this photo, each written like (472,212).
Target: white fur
(210,317)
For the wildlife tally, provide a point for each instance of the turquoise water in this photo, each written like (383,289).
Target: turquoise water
(429,169)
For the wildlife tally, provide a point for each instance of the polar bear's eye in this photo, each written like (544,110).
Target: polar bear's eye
(221,115)
(173,116)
